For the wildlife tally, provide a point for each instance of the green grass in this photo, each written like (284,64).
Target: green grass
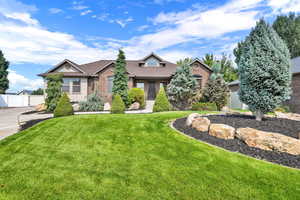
(131,157)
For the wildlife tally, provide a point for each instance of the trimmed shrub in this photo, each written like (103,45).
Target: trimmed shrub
(64,107)
(137,95)
(161,102)
(93,103)
(53,91)
(200,106)
(118,106)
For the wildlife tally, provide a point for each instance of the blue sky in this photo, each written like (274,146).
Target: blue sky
(36,35)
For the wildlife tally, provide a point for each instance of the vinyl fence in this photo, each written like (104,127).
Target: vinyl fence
(20,100)
(234,101)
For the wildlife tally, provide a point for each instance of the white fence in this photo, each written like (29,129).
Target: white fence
(234,101)
(20,100)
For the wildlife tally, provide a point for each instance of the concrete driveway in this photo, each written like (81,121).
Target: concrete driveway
(9,120)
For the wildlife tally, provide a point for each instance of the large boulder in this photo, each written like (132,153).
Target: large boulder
(134,106)
(292,116)
(107,106)
(201,124)
(269,141)
(191,117)
(40,107)
(222,131)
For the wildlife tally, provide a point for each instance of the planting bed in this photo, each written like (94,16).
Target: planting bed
(284,126)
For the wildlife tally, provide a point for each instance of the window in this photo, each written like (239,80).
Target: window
(76,85)
(110,80)
(199,80)
(66,85)
(140,85)
(152,62)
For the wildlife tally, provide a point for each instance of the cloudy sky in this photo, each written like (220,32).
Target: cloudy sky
(37,34)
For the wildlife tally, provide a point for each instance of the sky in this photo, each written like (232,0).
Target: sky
(38,34)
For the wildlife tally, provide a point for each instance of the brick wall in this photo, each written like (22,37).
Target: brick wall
(199,69)
(294,102)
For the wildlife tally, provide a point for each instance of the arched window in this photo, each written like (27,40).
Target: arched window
(152,62)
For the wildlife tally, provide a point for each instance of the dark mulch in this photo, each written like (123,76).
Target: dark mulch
(237,145)
(31,123)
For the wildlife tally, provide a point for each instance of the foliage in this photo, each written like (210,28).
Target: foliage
(186,61)
(39,91)
(264,69)
(182,88)
(75,154)
(118,106)
(216,68)
(216,91)
(204,106)
(209,59)
(64,107)
(53,91)
(4,82)
(137,95)
(120,82)
(283,108)
(93,103)
(288,28)
(161,102)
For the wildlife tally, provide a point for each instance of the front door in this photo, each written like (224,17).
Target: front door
(151,90)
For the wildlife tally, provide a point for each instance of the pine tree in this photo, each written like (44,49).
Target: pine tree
(161,102)
(264,70)
(182,88)
(53,91)
(120,82)
(209,59)
(4,83)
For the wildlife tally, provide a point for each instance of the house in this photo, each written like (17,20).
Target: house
(148,73)
(293,103)
(25,92)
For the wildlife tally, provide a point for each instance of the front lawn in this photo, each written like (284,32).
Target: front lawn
(131,157)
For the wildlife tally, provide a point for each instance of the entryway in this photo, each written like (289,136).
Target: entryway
(151,90)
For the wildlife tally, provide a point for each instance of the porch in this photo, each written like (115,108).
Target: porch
(150,86)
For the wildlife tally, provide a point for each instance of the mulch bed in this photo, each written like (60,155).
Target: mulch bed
(31,123)
(283,126)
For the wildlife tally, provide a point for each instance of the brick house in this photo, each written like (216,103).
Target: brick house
(149,73)
(294,102)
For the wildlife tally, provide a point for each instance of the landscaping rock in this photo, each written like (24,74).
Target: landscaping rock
(191,117)
(201,124)
(292,116)
(107,106)
(222,131)
(75,107)
(134,106)
(269,140)
(40,107)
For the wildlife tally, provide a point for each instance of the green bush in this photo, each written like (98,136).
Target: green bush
(118,106)
(283,109)
(93,103)
(137,95)
(199,106)
(53,91)
(64,107)
(161,102)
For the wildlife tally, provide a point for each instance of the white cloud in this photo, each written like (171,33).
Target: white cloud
(19,82)
(166,1)
(55,10)
(85,12)
(284,6)
(79,7)
(122,22)
(143,27)
(24,17)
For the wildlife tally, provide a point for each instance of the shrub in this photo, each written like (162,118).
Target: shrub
(137,95)
(93,103)
(64,107)
(161,102)
(53,91)
(118,106)
(199,106)
(282,108)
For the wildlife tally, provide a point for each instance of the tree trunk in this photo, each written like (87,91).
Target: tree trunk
(258,115)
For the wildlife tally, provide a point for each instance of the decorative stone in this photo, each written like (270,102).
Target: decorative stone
(106,106)
(76,107)
(222,131)
(191,117)
(292,116)
(269,141)
(134,106)
(201,124)
(40,107)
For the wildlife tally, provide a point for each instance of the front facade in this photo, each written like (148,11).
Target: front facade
(149,74)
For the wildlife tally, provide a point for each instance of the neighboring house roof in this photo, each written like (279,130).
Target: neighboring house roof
(295,69)
(25,92)
(134,68)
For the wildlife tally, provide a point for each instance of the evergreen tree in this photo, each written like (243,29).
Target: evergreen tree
(209,59)
(182,88)
(187,61)
(64,107)
(4,83)
(161,102)
(288,28)
(264,70)
(120,82)
(53,91)
(216,91)
(39,91)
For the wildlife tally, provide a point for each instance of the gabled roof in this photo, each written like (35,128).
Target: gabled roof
(202,63)
(76,66)
(152,55)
